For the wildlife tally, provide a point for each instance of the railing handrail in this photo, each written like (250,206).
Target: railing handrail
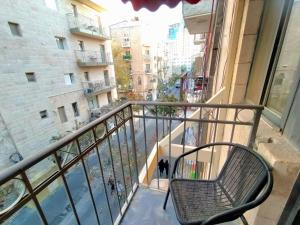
(14,170)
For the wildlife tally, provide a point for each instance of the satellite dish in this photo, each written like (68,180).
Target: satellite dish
(10,194)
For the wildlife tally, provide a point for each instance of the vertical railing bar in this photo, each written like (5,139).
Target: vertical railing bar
(163,120)
(213,147)
(121,159)
(183,144)
(34,198)
(199,131)
(102,175)
(254,127)
(67,189)
(145,137)
(170,143)
(88,183)
(156,126)
(127,151)
(113,168)
(133,143)
(233,126)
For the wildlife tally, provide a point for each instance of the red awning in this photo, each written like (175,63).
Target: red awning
(153,5)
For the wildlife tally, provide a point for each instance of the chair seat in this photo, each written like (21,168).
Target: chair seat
(197,200)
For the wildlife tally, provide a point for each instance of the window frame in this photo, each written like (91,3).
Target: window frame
(279,120)
(61,42)
(28,74)
(17,28)
(75,109)
(65,119)
(45,116)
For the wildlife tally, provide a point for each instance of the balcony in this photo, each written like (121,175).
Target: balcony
(199,39)
(197,17)
(92,59)
(92,88)
(127,57)
(148,71)
(85,26)
(147,57)
(70,181)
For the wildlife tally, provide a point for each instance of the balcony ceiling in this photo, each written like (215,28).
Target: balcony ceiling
(92,5)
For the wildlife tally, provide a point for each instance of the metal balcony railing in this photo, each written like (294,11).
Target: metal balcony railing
(199,38)
(97,87)
(90,176)
(86,26)
(147,57)
(92,58)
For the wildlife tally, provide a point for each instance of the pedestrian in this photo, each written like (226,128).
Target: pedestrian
(120,189)
(167,167)
(161,167)
(111,183)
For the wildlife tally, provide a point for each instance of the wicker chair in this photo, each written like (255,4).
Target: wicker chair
(244,182)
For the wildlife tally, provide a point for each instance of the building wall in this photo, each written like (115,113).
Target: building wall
(137,50)
(36,51)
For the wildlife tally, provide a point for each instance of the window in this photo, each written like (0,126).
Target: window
(30,77)
(147,68)
(15,29)
(62,114)
(139,81)
(61,42)
(81,45)
(147,52)
(51,4)
(69,79)
(86,76)
(43,114)
(75,109)
(127,52)
(74,8)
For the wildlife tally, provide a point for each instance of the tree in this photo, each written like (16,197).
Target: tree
(121,66)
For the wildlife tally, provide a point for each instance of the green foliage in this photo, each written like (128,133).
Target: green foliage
(167,110)
(121,66)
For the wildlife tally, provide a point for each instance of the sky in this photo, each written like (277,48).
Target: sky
(157,21)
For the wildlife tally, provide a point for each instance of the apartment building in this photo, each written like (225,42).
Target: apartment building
(181,50)
(139,54)
(254,59)
(56,67)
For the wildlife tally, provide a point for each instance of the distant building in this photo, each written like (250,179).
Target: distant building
(181,50)
(139,55)
(56,68)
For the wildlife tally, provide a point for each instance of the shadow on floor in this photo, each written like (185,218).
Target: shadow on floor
(146,209)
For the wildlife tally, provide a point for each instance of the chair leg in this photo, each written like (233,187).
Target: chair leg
(245,222)
(166,199)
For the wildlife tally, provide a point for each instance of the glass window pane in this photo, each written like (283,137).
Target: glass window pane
(287,66)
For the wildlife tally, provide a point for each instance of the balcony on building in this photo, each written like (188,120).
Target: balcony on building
(86,26)
(199,38)
(147,57)
(148,71)
(123,146)
(127,57)
(92,88)
(92,59)
(126,44)
(197,16)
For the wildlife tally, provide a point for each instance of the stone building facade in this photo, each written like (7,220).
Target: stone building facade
(140,55)
(56,67)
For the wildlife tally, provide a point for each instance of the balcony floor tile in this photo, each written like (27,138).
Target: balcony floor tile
(146,208)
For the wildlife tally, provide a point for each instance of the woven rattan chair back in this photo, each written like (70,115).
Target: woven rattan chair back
(243,176)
